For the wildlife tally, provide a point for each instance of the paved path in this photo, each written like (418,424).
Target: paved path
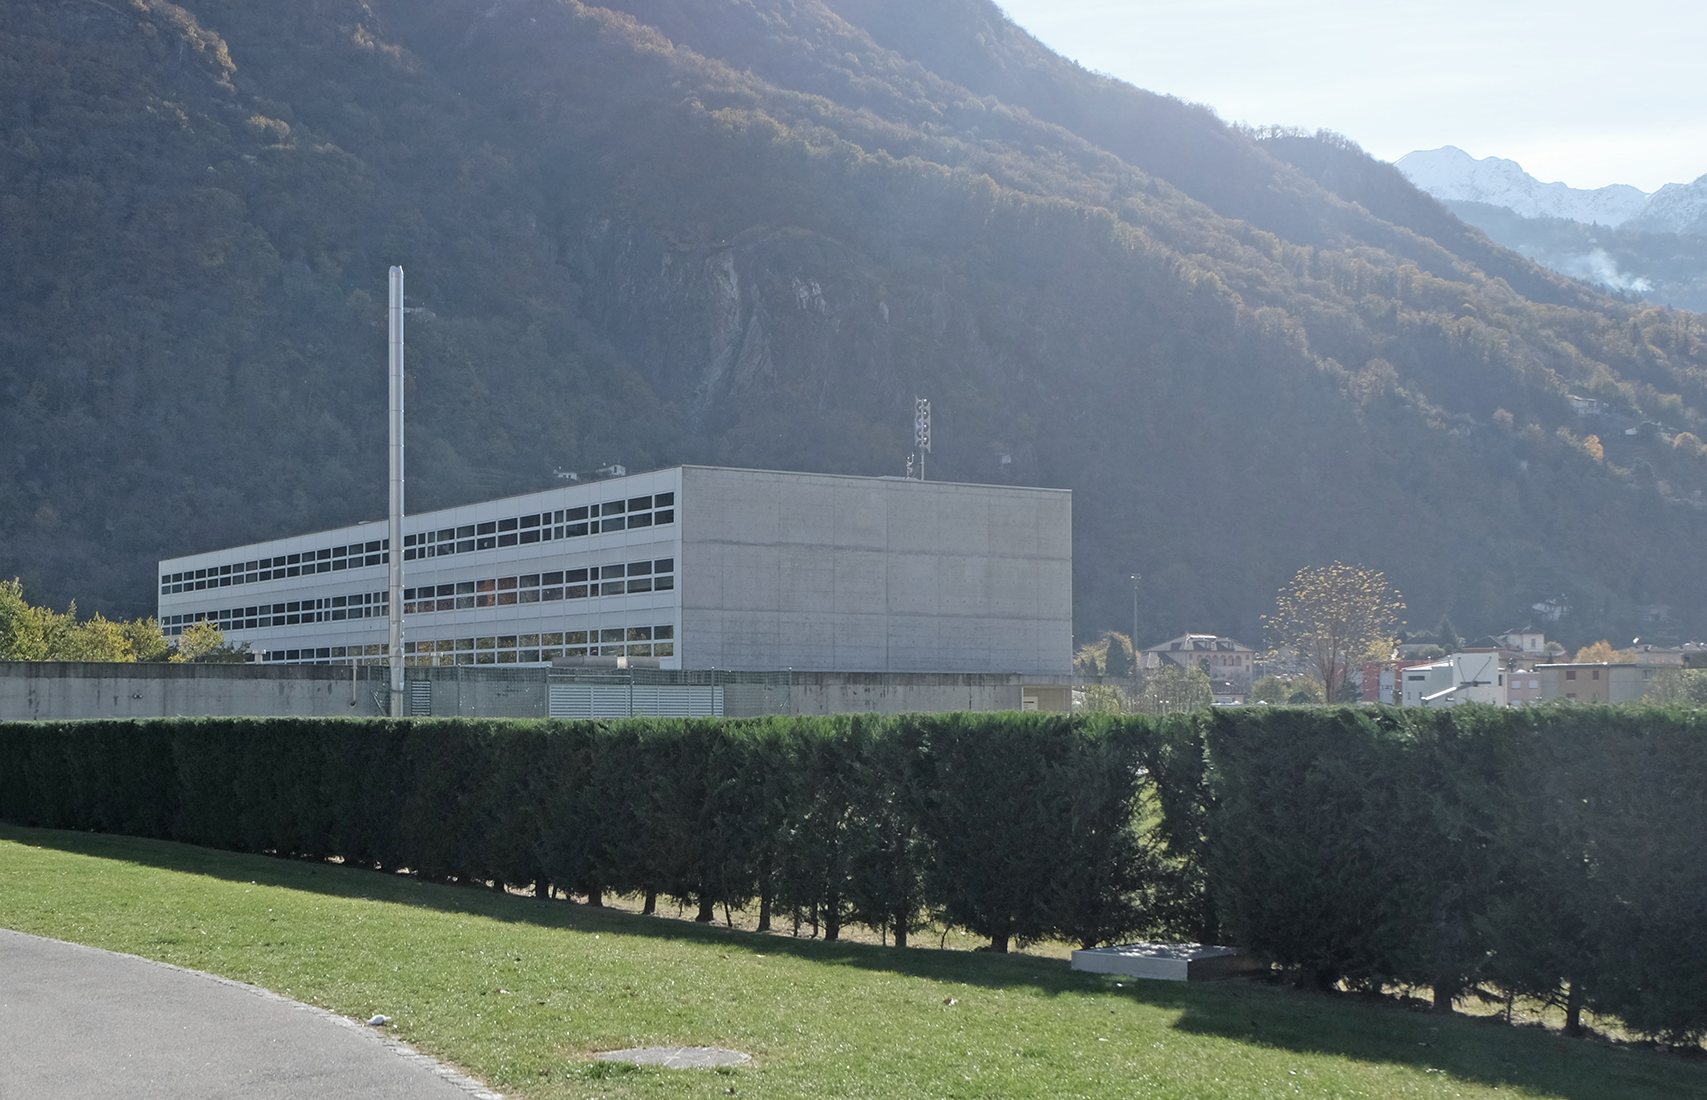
(78,1023)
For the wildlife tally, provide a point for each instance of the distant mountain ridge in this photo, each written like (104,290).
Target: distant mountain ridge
(751,232)
(1452,175)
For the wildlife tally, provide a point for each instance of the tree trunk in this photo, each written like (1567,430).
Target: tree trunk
(1574,1010)
(1443,997)
(999,943)
(833,922)
(651,905)
(596,897)
(765,912)
(707,914)
(900,930)
(498,885)
(541,888)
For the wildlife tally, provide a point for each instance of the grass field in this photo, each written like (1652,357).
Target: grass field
(519,992)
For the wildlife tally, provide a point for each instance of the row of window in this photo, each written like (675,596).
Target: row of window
(511,649)
(614,515)
(362,605)
(505,649)
(655,575)
(332,558)
(565,523)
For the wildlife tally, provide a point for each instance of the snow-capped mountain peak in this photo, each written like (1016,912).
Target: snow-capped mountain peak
(1452,175)
(1675,208)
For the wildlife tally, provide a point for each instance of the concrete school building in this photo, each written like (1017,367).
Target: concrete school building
(691,567)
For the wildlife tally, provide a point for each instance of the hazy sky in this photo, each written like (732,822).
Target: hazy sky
(1587,93)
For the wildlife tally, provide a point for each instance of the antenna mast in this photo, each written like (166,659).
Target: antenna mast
(394,555)
(922,430)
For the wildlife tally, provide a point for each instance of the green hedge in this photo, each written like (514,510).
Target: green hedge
(1555,852)
(1559,852)
(879,821)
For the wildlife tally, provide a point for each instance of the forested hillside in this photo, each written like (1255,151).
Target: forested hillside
(749,233)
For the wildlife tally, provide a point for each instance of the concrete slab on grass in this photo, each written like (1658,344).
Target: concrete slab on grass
(677,1057)
(1173,962)
(78,1022)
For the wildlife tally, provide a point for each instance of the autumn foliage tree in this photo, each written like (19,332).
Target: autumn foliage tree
(1331,616)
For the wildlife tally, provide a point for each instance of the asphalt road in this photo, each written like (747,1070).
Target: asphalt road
(77,1023)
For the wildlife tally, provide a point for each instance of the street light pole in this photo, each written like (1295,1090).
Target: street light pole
(1135,577)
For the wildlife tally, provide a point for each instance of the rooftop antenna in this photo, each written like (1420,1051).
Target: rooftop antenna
(394,556)
(922,430)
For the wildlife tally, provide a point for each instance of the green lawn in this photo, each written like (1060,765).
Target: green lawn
(518,992)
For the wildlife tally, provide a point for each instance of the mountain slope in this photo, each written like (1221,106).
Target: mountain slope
(750,233)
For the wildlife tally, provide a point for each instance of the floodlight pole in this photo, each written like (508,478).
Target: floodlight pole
(922,430)
(394,547)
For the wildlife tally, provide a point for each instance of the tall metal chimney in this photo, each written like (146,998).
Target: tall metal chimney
(394,555)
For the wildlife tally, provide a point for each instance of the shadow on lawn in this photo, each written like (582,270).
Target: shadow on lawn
(1470,1050)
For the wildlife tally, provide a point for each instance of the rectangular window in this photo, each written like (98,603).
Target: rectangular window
(488,528)
(616,524)
(639,568)
(639,504)
(606,572)
(373,548)
(506,540)
(575,592)
(663,516)
(507,598)
(1570,674)
(574,575)
(507,524)
(531,580)
(486,543)
(503,583)
(663,584)
(642,519)
(551,578)
(483,643)
(338,551)
(462,547)
(531,536)
(323,555)
(551,593)
(574,530)
(616,635)
(485,600)
(639,633)
(643,584)
(663,500)
(342,563)
(408,540)
(572,514)
(640,650)
(530,521)
(507,642)
(664,649)
(575,637)
(663,632)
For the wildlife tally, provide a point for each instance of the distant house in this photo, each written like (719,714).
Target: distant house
(1231,693)
(1223,658)
(1530,641)
(1460,678)
(1595,683)
(1689,654)
(1383,680)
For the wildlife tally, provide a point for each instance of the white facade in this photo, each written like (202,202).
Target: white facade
(695,567)
(1460,678)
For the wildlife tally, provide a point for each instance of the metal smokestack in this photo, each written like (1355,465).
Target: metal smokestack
(394,555)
